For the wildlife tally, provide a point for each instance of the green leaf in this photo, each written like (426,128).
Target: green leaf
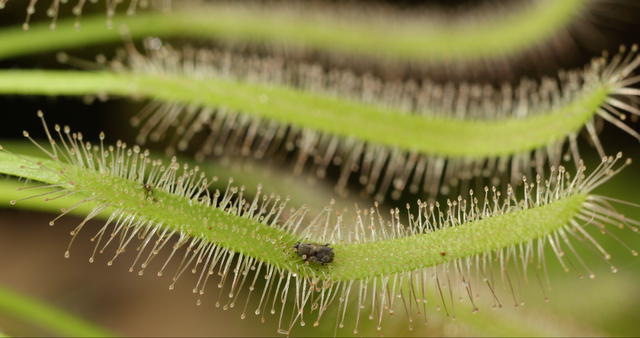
(47,317)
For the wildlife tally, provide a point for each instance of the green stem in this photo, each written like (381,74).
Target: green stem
(43,315)
(410,40)
(270,244)
(454,138)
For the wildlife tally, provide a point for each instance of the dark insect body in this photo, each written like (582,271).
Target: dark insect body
(148,188)
(313,252)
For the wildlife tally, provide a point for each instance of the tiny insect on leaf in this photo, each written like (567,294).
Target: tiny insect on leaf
(313,252)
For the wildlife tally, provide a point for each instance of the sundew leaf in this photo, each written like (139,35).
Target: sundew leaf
(484,34)
(374,261)
(440,136)
(396,135)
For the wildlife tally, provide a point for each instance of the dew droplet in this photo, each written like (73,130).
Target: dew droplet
(66,254)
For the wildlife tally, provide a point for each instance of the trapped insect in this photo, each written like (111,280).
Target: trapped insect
(148,187)
(314,252)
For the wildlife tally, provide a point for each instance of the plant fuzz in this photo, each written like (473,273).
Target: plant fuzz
(54,8)
(402,135)
(377,262)
(481,38)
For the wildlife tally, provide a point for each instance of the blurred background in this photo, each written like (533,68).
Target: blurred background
(31,252)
